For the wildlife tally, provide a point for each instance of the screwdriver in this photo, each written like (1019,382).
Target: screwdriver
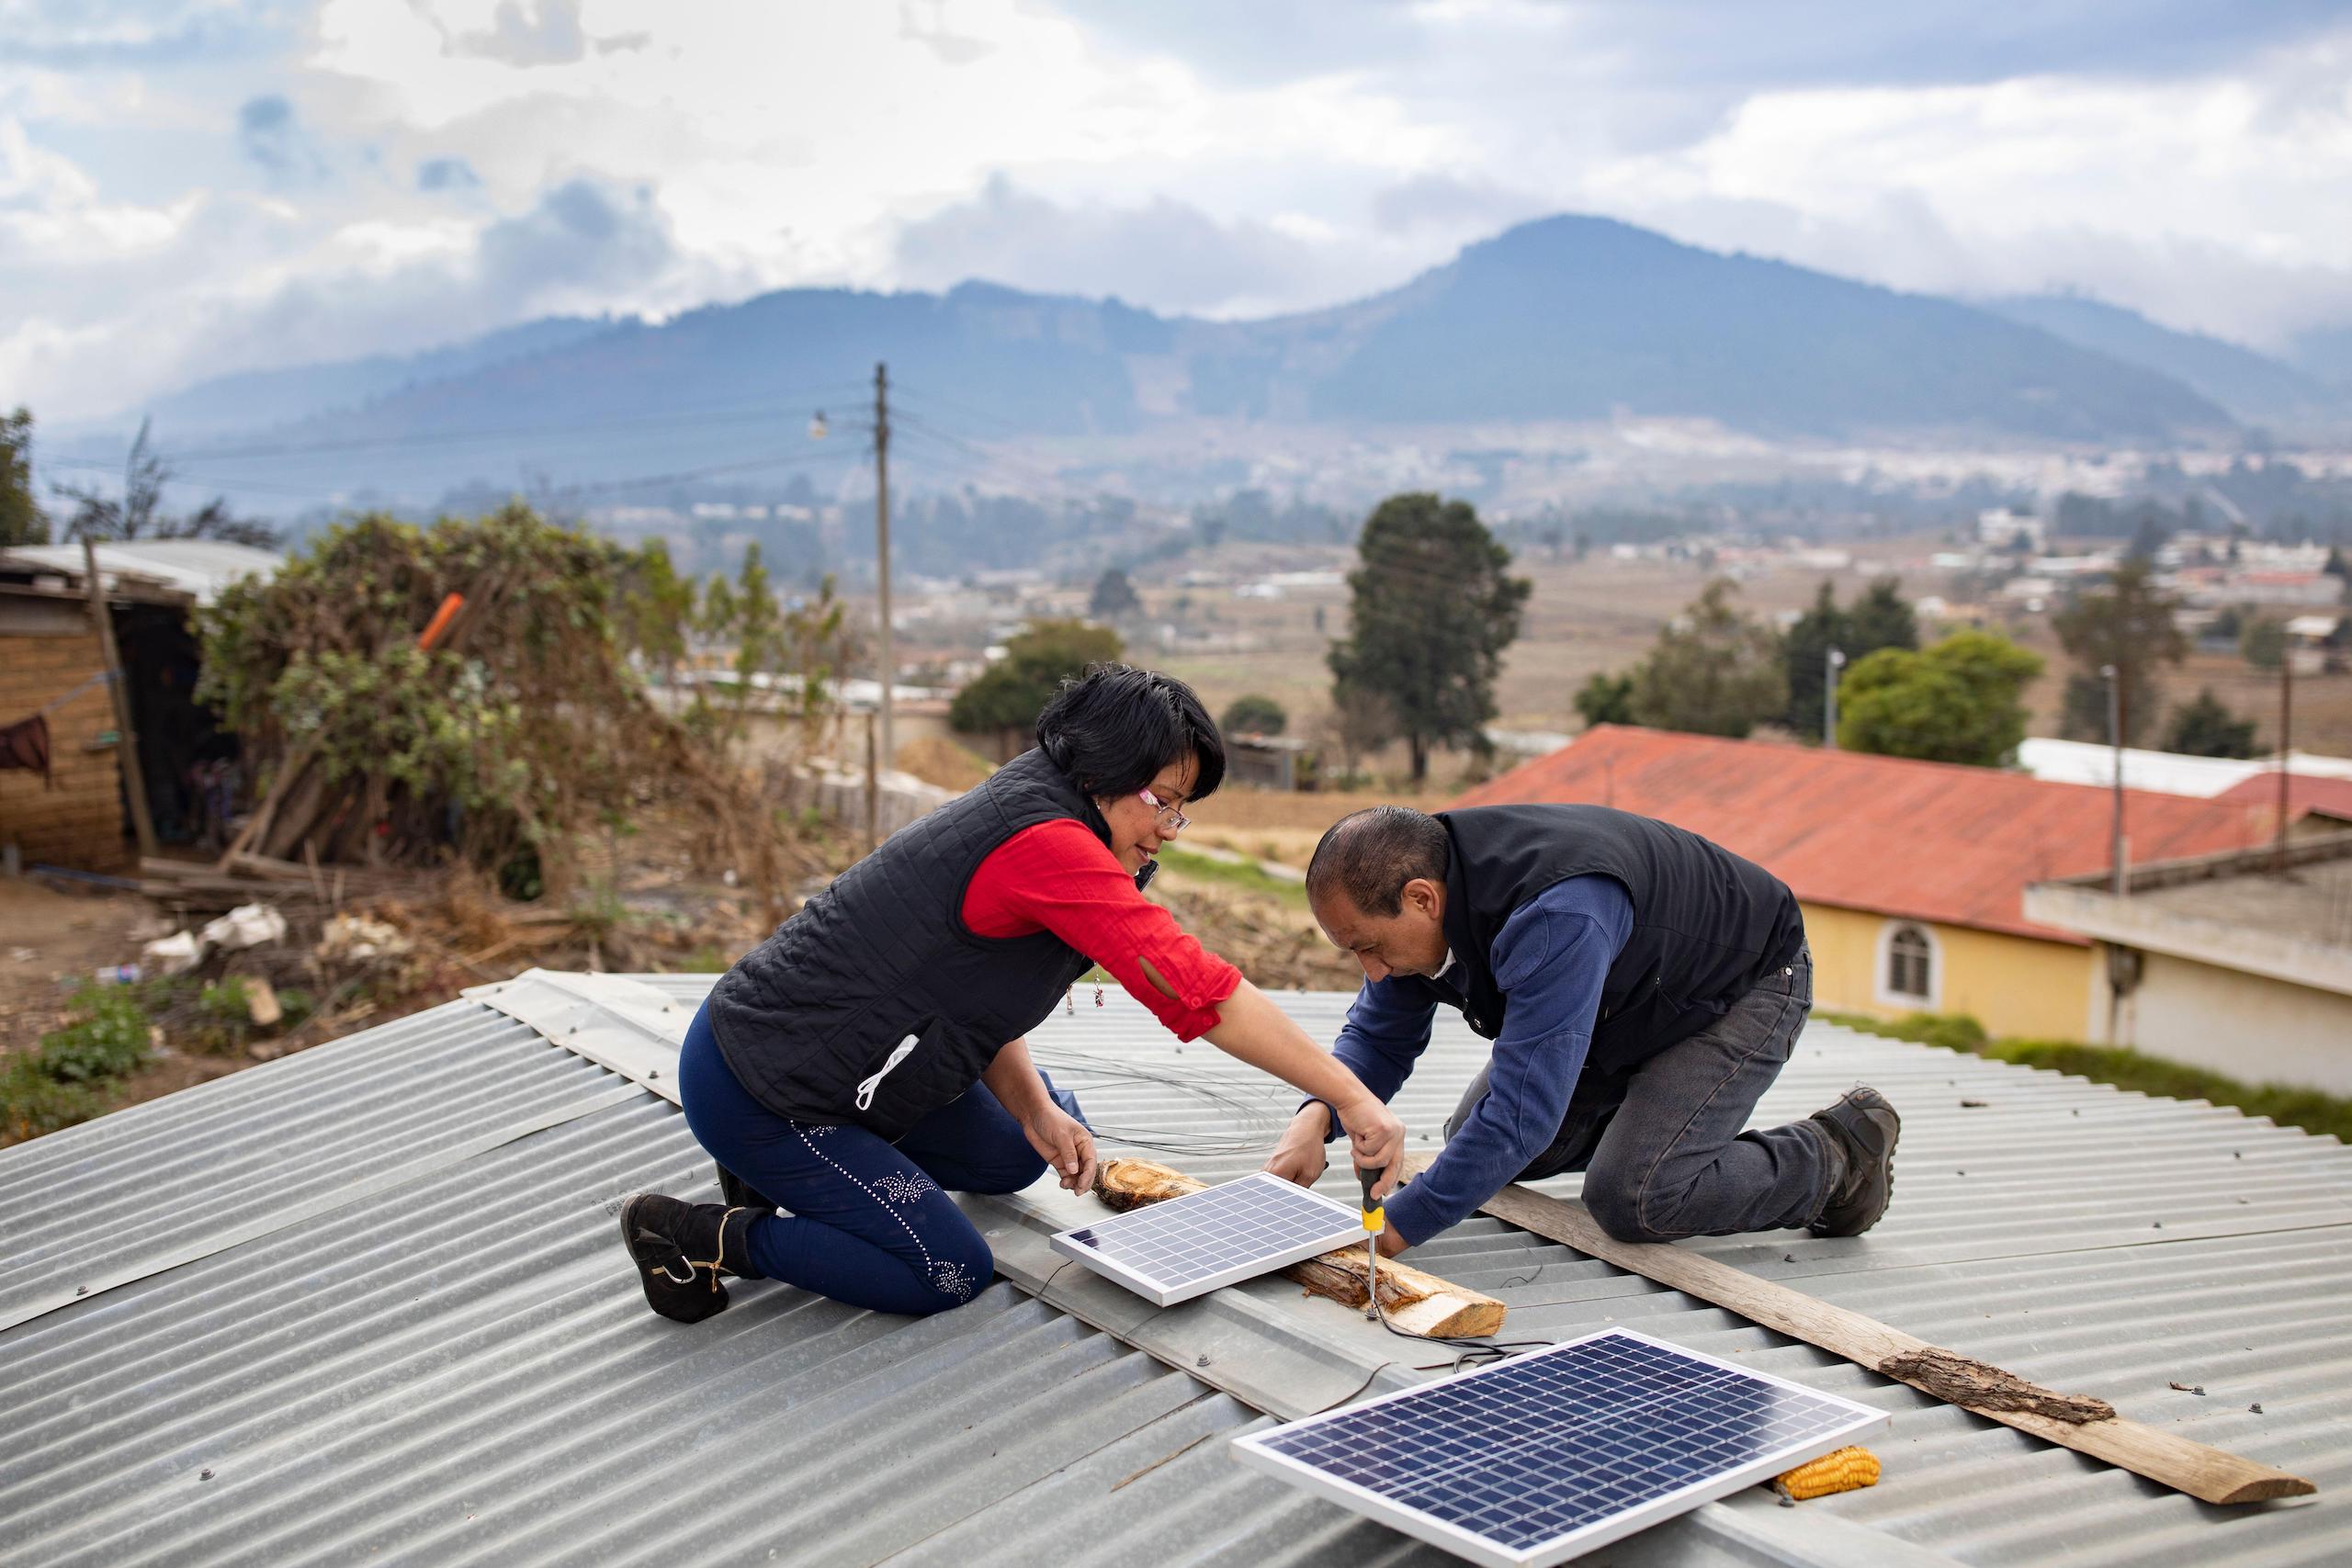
(1375,1219)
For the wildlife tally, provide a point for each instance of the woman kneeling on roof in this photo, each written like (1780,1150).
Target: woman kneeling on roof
(867,1059)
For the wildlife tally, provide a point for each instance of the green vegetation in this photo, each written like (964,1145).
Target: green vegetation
(1114,598)
(1959,701)
(1003,701)
(1715,671)
(1606,699)
(2206,727)
(1240,873)
(1431,611)
(21,521)
(54,1085)
(1252,714)
(2128,629)
(2324,1114)
(1882,617)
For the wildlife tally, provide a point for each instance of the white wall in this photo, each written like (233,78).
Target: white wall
(2255,1029)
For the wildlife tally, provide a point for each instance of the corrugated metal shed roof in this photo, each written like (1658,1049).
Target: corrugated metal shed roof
(198,568)
(373,1289)
(1923,840)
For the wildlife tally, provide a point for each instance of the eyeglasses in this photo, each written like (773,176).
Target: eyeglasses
(1173,821)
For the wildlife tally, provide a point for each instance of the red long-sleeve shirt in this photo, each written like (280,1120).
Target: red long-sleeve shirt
(1058,876)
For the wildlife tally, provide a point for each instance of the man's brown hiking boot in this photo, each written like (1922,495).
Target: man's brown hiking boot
(1862,1127)
(682,1248)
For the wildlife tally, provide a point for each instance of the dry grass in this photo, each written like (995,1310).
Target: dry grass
(938,760)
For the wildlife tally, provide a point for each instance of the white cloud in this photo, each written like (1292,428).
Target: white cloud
(416,172)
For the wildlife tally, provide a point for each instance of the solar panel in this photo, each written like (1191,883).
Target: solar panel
(1536,1459)
(1187,1247)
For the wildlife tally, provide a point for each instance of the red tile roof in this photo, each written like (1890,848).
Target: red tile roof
(1924,841)
(2306,794)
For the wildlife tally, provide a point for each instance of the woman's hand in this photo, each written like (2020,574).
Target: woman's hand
(1299,1156)
(1065,1142)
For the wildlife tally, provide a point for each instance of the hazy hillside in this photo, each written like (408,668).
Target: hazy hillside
(1565,318)
(2255,386)
(258,398)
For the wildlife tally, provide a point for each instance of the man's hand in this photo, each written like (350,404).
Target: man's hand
(1376,1140)
(1299,1156)
(1065,1142)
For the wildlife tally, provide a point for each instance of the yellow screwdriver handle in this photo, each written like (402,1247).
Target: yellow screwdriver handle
(1375,1213)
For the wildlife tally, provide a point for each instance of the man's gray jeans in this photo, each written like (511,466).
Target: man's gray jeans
(1661,1149)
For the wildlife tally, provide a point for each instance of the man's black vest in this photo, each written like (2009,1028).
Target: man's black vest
(811,1015)
(1707,925)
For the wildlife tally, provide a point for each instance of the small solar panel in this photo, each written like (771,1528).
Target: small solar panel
(1536,1459)
(1188,1246)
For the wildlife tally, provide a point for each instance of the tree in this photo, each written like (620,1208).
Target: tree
(1434,609)
(21,521)
(1882,617)
(1114,598)
(2128,627)
(657,608)
(2207,728)
(1714,671)
(2263,642)
(137,512)
(1003,700)
(1606,699)
(1253,715)
(1958,701)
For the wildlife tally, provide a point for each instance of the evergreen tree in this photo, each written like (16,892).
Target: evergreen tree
(1253,715)
(2207,728)
(2129,626)
(1114,598)
(1434,608)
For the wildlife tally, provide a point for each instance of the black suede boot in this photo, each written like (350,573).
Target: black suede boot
(1862,1128)
(681,1250)
(738,1193)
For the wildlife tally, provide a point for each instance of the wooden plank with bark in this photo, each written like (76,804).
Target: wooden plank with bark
(1413,1301)
(2078,1422)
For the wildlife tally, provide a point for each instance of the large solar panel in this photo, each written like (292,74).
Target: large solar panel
(1188,1246)
(1537,1459)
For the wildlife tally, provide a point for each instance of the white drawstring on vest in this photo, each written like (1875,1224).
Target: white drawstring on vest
(865,1089)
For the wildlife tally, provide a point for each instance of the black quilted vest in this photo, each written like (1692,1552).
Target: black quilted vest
(811,1015)
(1707,925)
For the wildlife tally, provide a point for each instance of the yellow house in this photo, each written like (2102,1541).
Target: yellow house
(1912,874)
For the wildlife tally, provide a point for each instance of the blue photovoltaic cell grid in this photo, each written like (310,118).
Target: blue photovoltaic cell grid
(1210,1232)
(1524,1452)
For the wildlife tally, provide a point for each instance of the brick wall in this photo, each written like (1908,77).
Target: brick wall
(78,823)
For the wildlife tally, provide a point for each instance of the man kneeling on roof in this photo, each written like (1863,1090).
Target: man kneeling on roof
(1641,987)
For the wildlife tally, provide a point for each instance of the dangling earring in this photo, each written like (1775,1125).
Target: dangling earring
(1098,993)
(1069,1007)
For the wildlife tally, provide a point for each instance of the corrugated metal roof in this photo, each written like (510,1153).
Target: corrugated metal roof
(198,568)
(1923,840)
(443,1357)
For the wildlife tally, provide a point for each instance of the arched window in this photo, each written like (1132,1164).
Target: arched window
(1910,972)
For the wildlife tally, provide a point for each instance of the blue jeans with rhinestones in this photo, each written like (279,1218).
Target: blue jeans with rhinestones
(867,1222)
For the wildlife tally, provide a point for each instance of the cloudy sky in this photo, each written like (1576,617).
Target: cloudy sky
(193,186)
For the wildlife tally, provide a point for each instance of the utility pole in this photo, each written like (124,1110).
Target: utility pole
(1837,662)
(2115,736)
(888,659)
(2286,745)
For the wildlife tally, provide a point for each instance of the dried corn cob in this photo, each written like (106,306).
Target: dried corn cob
(1841,1472)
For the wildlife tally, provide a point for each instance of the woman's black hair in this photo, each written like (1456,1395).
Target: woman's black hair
(1113,729)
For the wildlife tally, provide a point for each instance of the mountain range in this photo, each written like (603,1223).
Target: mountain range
(1567,319)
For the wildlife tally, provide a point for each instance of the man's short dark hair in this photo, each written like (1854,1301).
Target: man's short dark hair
(1113,729)
(1371,854)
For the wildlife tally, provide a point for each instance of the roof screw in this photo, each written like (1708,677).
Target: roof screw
(204,1475)
(81,1290)
(1201,1362)
(2256,1407)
